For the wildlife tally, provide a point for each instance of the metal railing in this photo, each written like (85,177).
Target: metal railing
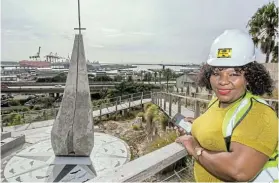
(110,105)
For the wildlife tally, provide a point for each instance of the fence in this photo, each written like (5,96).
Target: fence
(99,108)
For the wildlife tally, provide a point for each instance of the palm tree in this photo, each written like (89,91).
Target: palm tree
(155,76)
(263,27)
(275,54)
(167,74)
(160,76)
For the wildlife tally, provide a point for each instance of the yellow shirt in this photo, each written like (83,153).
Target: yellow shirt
(259,130)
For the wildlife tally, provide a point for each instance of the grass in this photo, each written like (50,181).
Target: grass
(159,142)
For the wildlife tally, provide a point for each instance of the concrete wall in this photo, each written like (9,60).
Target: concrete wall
(273,71)
(12,142)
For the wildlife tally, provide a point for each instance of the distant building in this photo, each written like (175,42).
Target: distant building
(11,78)
(273,71)
(101,73)
(186,80)
(188,83)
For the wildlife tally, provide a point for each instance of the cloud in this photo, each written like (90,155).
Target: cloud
(136,31)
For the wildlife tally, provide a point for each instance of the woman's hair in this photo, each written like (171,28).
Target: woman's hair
(256,75)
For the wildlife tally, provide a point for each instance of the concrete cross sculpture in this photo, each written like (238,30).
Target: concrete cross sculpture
(72,132)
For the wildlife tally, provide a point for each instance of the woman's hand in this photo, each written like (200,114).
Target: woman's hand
(190,119)
(181,131)
(189,142)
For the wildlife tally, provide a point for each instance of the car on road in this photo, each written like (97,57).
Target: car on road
(58,86)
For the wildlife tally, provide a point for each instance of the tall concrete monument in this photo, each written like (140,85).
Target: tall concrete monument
(73,130)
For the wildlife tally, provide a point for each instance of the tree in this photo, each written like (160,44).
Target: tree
(147,77)
(263,27)
(61,77)
(118,78)
(160,76)
(167,74)
(130,79)
(142,74)
(275,54)
(121,88)
(102,78)
(155,76)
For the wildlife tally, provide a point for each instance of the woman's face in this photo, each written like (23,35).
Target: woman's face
(228,84)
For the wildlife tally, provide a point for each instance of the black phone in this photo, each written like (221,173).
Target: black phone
(179,121)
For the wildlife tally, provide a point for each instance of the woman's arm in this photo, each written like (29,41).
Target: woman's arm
(241,164)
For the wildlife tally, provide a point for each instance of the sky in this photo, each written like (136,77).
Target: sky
(122,31)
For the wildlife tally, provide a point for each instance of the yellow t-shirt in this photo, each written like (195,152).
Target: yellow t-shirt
(259,130)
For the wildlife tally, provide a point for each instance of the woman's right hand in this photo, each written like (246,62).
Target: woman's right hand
(181,131)
(190,119)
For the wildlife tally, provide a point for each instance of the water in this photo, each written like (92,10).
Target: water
(146,67)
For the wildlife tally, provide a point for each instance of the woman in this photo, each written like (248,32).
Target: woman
(238,134)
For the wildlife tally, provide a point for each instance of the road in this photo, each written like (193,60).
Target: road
(24,84)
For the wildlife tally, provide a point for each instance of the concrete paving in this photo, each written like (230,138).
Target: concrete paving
(35,163)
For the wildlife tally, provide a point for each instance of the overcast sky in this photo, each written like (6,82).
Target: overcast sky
(128,31)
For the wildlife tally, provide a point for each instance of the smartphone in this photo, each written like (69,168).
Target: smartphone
(179,121)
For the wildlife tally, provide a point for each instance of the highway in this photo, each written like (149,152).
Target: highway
(59,88)
(24,84)
(50,87)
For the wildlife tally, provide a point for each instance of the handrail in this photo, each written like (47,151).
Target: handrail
(185,97)
(145,166)
(140,96)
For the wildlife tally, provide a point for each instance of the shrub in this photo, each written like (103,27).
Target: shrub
(25,109)
(161,118)
(146,106)
(15,120)
(136,127)
(159,142)
(37,108)
(13,102)
(150,112)
(141,114)
(118,117)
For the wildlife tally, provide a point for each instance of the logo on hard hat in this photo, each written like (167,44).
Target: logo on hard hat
(224,53)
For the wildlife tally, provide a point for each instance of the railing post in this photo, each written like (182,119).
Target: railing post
(197,108)
(116,103)
(179,105)
(120,100)
(165,101)
(160,102)
(141,98)
(130,102)
(156,98)
(131,97)
(170,103)
(100,107)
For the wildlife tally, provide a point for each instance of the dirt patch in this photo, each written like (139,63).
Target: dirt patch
(136,139)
